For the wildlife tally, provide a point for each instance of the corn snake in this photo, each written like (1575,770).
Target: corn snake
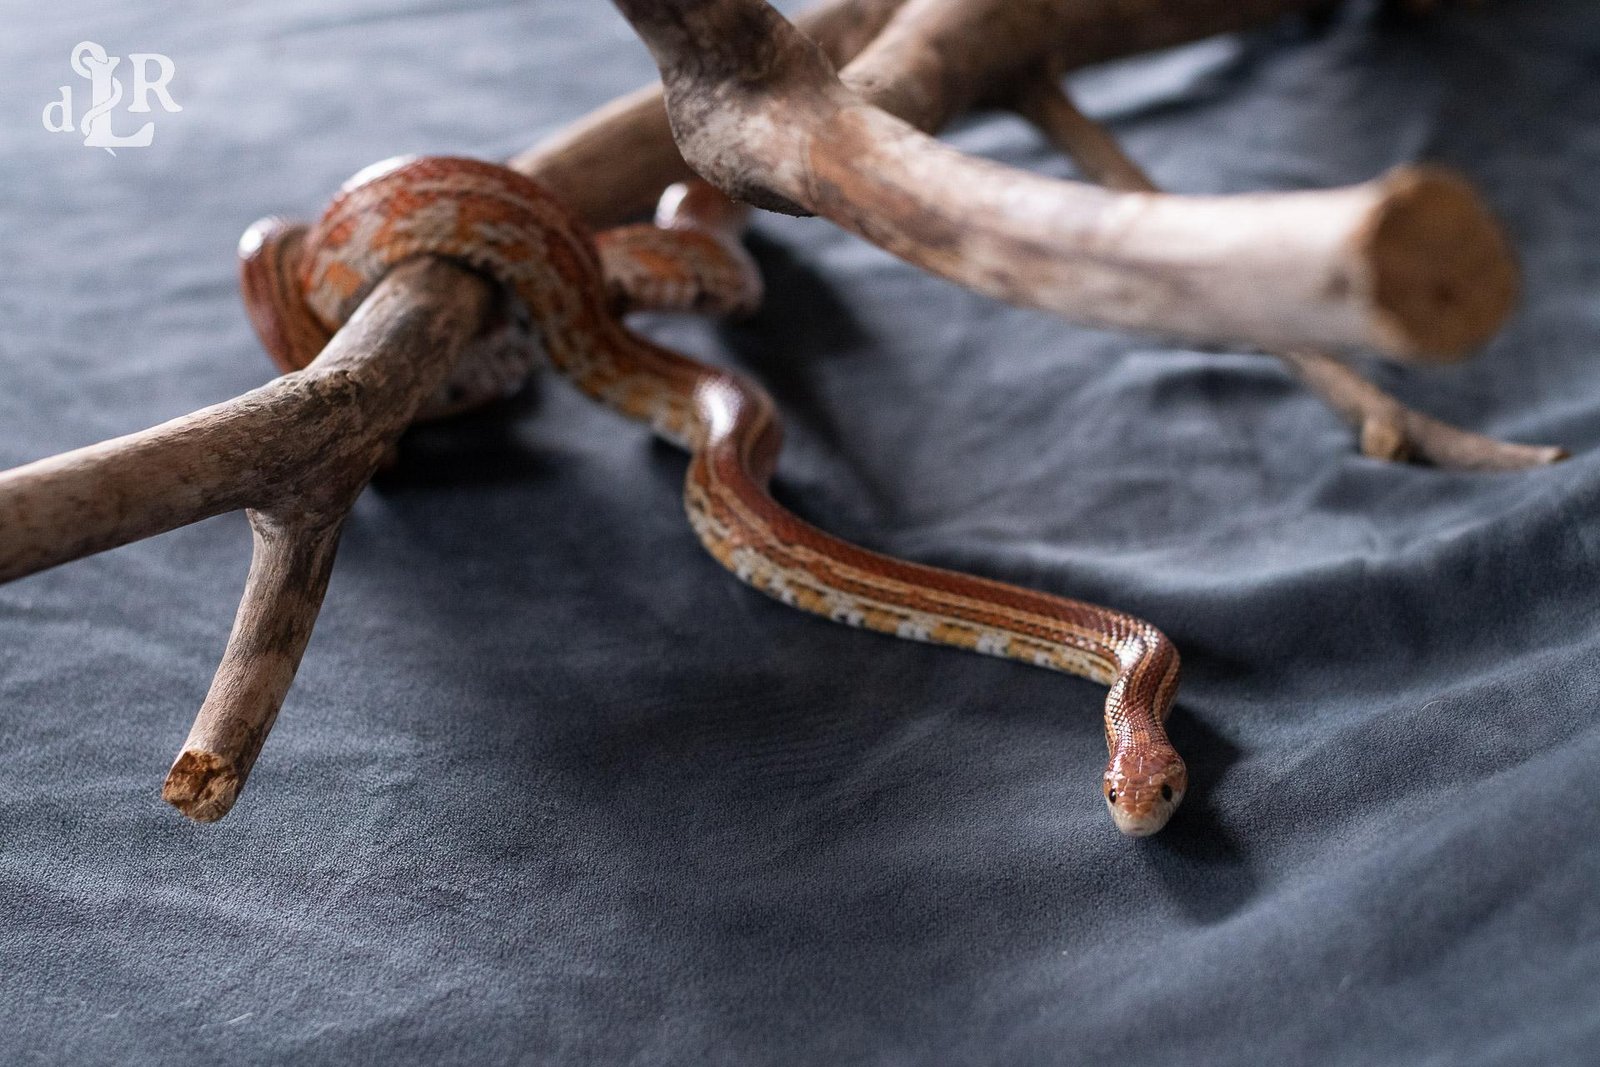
(301,285)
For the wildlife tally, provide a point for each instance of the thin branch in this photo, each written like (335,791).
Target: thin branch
(1087,143)
(283,594)
(1389,430)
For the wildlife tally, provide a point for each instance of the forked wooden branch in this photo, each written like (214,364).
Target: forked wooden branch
(296,451)
(761,110)
(1411,265)
(934,59)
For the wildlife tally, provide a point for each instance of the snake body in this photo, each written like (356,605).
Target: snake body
(510,228)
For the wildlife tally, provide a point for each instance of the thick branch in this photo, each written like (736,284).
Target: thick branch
(1411,265)
(582,163)
(1388,429)
(298,434)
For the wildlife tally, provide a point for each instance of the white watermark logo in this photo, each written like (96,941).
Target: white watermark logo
(90,61)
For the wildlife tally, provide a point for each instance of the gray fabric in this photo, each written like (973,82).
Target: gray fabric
(551,787)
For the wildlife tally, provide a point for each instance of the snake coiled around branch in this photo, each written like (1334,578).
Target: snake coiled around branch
(300,286)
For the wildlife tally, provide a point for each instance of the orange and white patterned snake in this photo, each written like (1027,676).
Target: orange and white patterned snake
(299,287)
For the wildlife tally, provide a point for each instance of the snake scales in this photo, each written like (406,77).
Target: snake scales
(301,285)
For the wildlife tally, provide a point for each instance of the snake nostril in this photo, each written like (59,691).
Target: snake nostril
(1166,791)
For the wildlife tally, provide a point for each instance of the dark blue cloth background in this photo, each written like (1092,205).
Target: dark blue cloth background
(553,788)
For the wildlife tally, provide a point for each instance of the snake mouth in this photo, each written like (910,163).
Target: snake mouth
(1142,793)
(1143,823)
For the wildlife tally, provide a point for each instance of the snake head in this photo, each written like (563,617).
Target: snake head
(1143,788)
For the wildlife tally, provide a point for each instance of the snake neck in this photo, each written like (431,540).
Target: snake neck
(1145,778)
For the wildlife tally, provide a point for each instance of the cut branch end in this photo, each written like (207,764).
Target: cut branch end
(1443,274)
(202,785)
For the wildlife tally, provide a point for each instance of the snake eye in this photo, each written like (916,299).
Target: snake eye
(1166,791)
(1112,796)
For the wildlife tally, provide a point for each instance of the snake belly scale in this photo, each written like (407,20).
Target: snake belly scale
(507,226)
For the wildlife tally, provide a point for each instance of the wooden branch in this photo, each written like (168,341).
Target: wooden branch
(936,59)
(1411,265)
(1391,431)
(288,576)
(1388,430)
(285,445)
(354,402)
(1088,144)
(298,451)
